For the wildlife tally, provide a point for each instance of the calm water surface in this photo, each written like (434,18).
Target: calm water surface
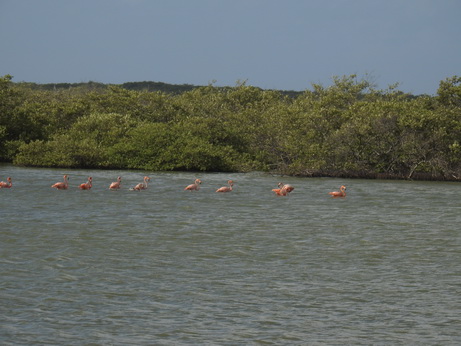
(171,267)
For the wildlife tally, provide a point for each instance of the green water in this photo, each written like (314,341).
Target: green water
(171,267)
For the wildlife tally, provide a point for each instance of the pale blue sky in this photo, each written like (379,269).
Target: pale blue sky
(284,44)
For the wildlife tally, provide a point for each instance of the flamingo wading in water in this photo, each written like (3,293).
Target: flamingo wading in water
(88,185)
(340,193)
(6,185)
(142,186)
(116,184)
(62,185)
(195,186)
(226,188)
(283,190)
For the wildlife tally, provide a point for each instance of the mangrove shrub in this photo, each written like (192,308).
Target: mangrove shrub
(347,129)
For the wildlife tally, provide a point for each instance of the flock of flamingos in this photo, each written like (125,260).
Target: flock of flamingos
(283,189)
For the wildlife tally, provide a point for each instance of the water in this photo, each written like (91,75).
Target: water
(171,267)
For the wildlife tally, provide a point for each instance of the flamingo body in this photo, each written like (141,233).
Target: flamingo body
(226,188)
(143,185)
(88,185)
(340,193)
(280,192)
(116,184)
(61,185)
(195,186)
(6,185)
(283,190)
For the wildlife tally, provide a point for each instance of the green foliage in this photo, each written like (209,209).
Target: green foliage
(85,144)
(10,99)
(347,129)
(160,146)
(450,92)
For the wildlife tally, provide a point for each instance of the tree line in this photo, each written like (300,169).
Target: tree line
(349,129)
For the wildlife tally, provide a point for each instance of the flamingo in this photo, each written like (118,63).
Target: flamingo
(88,185)
(340,193)
(143,185)
(116,184)
(62,185)
(226,188)
(6,185)
(195,186)
(281,191)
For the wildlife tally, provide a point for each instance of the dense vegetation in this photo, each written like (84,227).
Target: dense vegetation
(348,129)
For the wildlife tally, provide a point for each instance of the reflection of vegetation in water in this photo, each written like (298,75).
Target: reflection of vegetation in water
(347,129)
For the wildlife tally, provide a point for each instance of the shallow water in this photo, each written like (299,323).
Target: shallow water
(169,267)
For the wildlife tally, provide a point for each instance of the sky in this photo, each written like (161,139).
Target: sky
(271,44)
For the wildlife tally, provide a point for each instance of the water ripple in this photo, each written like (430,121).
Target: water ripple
(170,267)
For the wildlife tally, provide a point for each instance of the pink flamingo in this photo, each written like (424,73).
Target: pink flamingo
(6,185)
(143,185)
(195,186)
(226,188)
(340,193)
(281,191)
(62,185)
(88,185)
(116,184)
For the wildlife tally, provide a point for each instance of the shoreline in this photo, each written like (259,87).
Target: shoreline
(378,176)
(416,176)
